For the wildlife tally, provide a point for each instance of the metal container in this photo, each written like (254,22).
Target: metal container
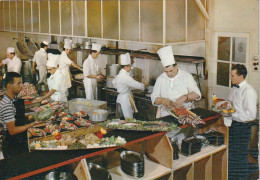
(191,145)
(99,115)
(112,69)
(86,45)
(54,175)
(98,173)
(109,83)
(26,71)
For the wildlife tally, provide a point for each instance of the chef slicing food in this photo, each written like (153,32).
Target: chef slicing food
(90,71)
(40,59)
(123,82)
(173,86)
(56,82)
(12,115)
(14,64)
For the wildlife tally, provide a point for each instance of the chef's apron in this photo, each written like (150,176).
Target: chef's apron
(42,74)
(16,144)
(90,85)
(127,104)
(68,77)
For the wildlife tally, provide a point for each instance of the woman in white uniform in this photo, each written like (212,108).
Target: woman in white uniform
(123,82)
(40,58)
(14,64)
(65,63)
(90,71)
(56,82)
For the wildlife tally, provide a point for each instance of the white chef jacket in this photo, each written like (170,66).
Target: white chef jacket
(40,58)
(90,84)
(13,65)
(123,82)
(57,82)
(244,101)
(64,65)
(173,88)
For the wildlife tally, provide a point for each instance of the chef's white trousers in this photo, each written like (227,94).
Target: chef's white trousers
(42,74)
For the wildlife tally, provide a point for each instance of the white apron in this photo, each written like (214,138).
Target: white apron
(127,103)
(67,76)
(42,74)
(90,85)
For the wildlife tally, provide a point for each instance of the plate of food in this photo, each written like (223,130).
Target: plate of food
(82,122)
(79,114)
(68,126)
(50,128)
(225,107)
(67,117)
(36,132)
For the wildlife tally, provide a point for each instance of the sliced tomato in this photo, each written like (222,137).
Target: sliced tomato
(99,135)
(58,137)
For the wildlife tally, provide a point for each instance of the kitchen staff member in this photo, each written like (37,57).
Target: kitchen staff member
(173,85)
(244,99)
(40,58)
(14,64)
(64,62)
(123,82)
(12,115)
(90,71)
(56,82)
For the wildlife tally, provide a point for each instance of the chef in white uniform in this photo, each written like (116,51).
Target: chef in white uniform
(90,71)
(65,63)
(40,59)
(173,85)
(123,82)
(56,82)
(14,64)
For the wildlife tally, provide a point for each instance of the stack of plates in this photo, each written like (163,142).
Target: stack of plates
(132,163)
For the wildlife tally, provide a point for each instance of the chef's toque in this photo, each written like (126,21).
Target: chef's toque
(67,43)
(125,59)
(96,47)
(10,50)
(46,43)
(52,60)
(166,56)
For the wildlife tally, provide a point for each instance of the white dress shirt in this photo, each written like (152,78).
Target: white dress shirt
(89,67)
(13,65)
(173,88)
(244,101)
(40,58)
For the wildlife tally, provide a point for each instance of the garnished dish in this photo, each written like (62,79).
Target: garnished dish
(224,107)
(79,114)
(184,116)
(67,118)
(68,126)
(44,115)
(28,90)
(36,132)
(51,128)
(133,124)
(82,122)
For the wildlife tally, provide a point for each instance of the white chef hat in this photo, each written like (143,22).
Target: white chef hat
(166,56)
(45,42)
(67,43)
(10,50)
(52,60)
(125,59)
(96,47)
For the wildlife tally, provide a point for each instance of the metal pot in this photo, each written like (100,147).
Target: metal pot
(54,175)
(99,115)
(26,71)
(109,83)
(86,45)
(112,69)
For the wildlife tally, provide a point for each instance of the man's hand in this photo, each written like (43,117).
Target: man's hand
(165,102)
(179,102)
(99,77)
(30,117)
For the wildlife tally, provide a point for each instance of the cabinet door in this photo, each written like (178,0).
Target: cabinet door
(6,15)
(55,17)
(13,15)
(20,15)
(129,20)
(110,20)
(66,25)
(94,18)
(1,15)
(152,21)
(35,9)
(27,16)
(175,21)
(79,18)
(196,22)
(44,16)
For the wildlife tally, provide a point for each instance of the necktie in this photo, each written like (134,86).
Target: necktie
(236,85)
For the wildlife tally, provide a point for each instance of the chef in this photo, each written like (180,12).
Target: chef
(173,85)
(40,58)
(56,82)
(244,99)
(14,64)
(90,71)
(123,82)
(12,116)
(64,62)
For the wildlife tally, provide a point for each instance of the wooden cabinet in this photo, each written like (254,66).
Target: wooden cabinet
(20,18)
(55,17)
(27,16)
(79,19)
(13,15)
(44,16)
(66,24)
(35,17)
(6,15)
(94,18)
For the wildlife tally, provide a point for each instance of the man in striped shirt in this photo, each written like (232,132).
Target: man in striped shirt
(12,116)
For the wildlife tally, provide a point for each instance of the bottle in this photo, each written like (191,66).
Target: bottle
(214,100)
(175,149)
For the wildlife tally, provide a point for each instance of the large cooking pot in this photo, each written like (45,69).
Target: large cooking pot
(26,71)
(86,45)
(109,83)
(99,115)
(112,69)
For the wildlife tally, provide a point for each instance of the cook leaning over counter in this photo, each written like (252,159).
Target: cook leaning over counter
(64,62)
(90,71)
(56,82)
(14,64)
(123,82)
(40,59)
(173,86)
(12,115)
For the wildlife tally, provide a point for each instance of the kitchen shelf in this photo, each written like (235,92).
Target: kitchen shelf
(205,152)
(152,171)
